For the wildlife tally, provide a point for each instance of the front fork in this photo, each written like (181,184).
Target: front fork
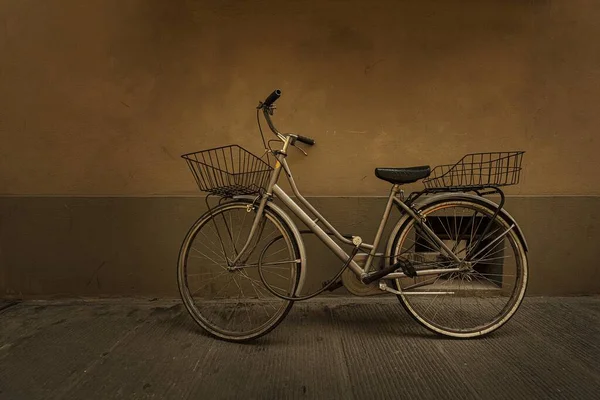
(253,237)
(259,222)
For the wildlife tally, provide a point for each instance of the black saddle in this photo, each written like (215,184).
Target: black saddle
(403,175)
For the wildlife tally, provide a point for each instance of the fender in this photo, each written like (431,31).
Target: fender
(425,201)
(294,229)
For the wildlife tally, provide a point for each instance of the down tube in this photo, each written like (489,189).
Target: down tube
(314,227)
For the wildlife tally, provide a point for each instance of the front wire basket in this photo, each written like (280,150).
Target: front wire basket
(477,170)
(229,171)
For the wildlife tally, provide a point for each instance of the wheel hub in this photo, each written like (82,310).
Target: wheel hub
(465,266)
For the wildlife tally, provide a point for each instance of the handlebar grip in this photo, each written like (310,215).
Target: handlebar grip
(306,140)
(272,98)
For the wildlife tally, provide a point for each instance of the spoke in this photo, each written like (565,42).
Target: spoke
(231,235)
(472,236)
(485,284)
(495,258)
(275,273)
(447,233)
(448,281)
(458,234)
(489,253)
(493,251)
(205,257)
(429,264)
(239,300)
(229,320)
(208,238)
(228,230)
(421,244)
(476,274)
(216,230)
(462,278)
(439,276)
(489,301)
(479,308)
(486,273)
(460,230)
(238,285)
(245,275)
(405,251)
(223,256)
(232,312)
(257,237)
(271,235)
(489,235)
(241,228)
(422,234)
(473,233)
(223,288)
(465,225)
(200,273)
(444,226)
(494,241)
(242,294)
(213,243)
(279,251)
(467,249)
(422,283)
(456,238)
(257,293)
(491,264)
(209,281)
(259,282)
(258,287)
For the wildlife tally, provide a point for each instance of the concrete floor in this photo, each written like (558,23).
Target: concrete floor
(330,348)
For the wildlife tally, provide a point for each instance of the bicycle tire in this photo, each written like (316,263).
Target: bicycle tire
(521,272)
(186,295)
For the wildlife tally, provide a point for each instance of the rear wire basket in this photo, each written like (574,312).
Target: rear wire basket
(229,171)
(478,170)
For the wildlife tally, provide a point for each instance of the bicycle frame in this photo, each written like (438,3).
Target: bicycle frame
(273,189)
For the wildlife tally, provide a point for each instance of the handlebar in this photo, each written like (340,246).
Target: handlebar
(272,98)
(267,107)
(305,140)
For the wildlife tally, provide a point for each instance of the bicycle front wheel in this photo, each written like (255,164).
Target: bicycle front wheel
(230,301)
(487,291)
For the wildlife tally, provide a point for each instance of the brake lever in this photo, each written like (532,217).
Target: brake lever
(301,150)
(270,108)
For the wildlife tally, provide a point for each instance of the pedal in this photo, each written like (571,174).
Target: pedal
(408,268)
(333,287)
(405,265)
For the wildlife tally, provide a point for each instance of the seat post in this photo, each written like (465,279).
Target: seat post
(386,214)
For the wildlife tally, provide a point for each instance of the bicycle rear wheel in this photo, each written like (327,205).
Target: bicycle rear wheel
(478,299)
(230,302)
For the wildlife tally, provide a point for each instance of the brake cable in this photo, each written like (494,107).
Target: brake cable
(311,295)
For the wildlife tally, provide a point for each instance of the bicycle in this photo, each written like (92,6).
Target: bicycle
(242,264)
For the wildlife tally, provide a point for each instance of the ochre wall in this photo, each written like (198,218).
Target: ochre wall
(100,97)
